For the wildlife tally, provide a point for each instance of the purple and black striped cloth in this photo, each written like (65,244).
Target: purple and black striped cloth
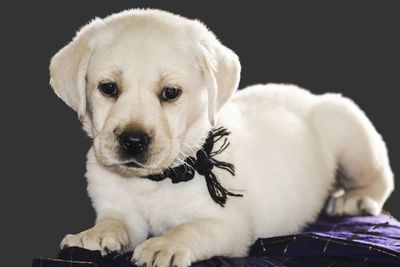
(348,241)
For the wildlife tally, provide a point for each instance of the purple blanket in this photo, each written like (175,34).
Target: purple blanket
(351,241)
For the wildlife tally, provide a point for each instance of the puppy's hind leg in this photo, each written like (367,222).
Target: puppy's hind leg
(360,153)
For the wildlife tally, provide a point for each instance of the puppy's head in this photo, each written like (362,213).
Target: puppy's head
(147,86)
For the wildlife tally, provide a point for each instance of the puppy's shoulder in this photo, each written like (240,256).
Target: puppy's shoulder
(269,97)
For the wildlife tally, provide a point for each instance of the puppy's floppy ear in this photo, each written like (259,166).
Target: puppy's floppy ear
(69,66)
(222,71)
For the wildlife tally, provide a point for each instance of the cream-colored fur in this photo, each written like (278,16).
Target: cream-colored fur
(286,143)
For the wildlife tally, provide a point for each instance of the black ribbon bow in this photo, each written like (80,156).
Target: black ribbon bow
(203,164)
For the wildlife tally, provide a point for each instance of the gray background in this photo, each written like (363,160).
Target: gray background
(347,48)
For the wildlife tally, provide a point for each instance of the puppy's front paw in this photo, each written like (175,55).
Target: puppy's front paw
(102,238)
(162,252)
(352,204)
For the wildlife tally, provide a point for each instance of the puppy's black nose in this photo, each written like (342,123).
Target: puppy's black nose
(133,143)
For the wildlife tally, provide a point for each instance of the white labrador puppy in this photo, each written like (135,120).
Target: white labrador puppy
(148,87)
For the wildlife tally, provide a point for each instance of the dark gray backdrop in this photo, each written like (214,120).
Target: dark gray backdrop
(347,48)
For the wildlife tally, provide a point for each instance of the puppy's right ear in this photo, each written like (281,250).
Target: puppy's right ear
(222,71)
(69,66)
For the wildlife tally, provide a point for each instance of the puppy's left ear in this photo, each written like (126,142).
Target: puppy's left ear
(222,71)
(68,69)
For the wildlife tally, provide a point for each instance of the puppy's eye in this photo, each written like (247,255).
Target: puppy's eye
(170,93)
(108,88)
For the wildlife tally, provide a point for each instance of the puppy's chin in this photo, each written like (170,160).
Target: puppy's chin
(128,171)
(131,169)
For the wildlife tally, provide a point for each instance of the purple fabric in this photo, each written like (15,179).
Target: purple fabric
(363,240)
(351,241)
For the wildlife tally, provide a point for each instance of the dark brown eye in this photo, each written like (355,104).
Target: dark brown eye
(108,88)
(170,93)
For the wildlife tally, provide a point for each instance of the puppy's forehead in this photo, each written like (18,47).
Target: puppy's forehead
(136,48)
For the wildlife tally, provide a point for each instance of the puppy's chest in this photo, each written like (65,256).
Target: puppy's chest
(163,205)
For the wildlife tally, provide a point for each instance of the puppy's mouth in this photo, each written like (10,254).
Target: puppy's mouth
(139,169)
(136,166)
(133,164)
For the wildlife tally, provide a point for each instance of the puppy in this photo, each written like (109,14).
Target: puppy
(150,89)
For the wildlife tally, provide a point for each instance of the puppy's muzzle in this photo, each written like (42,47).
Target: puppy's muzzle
(133,143)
